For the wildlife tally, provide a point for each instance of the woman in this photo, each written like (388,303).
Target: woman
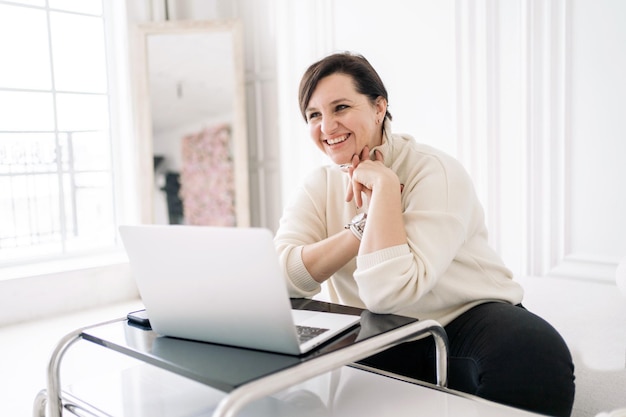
(395,226)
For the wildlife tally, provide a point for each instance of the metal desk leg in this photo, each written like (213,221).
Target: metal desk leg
(53,397)
(237,399)
(441,354)
(54,403)
(39,406)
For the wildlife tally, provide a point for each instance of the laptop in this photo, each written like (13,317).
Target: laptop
(222,285)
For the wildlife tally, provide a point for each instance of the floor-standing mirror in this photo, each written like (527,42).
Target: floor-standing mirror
(191,127)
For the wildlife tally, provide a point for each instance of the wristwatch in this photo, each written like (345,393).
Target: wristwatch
(357,225)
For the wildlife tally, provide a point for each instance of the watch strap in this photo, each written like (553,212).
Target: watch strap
(357,227)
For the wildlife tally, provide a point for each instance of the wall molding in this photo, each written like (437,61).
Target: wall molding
(546,120)
(483,67)
(477,85)
(547,30)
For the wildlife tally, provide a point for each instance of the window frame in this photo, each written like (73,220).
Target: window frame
(118,95)
(36,289)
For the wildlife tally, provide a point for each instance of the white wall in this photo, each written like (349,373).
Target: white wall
(595,148)
(80,287)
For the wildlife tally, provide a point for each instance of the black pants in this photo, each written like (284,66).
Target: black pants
(499,352)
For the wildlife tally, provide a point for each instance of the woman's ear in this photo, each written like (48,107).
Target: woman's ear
(381,108)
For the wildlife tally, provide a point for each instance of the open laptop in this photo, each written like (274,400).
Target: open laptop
(222,285)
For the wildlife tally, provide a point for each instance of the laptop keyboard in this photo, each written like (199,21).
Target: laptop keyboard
(306,333)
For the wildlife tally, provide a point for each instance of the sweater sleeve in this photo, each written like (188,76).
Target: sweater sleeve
(440,209)
(302,223)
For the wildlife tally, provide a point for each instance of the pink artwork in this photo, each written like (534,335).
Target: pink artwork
(207,186)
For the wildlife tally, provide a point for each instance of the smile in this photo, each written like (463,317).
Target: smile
(337,140)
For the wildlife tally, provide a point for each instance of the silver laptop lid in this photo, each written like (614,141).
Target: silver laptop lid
(220,285)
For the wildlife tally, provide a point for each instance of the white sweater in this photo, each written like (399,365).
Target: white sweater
(445,268)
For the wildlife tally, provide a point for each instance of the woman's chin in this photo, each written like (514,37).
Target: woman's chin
(340,161)
(339,158)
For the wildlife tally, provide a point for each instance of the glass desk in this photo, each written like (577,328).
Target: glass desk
(245,374)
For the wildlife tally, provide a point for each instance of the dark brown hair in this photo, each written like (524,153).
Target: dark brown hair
(366,79)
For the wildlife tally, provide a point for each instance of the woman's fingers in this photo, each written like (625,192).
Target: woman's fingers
(349,192)
(355,161)
(355,188)
(365,153)
(358,198)
(351,167)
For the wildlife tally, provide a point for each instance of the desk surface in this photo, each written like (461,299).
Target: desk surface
(224,367)
(194,379)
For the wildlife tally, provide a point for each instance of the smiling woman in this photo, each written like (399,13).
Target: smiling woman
(416,246)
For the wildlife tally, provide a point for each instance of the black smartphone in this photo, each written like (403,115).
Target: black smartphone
(139,318)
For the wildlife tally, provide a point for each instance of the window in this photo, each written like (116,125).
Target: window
(56,176)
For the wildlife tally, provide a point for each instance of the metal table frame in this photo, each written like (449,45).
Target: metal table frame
(49,402)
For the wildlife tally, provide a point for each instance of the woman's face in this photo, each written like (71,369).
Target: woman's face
(341,120)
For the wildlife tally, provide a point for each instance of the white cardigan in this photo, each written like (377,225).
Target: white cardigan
(445,268)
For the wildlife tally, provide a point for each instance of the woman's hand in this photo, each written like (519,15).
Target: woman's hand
(355,188)
(369,172)
(385,226)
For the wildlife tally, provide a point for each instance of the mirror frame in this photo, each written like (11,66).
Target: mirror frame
(145,166)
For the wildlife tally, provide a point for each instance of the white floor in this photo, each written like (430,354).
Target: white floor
(590,316)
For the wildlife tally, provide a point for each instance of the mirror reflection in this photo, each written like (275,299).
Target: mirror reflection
(196,130)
